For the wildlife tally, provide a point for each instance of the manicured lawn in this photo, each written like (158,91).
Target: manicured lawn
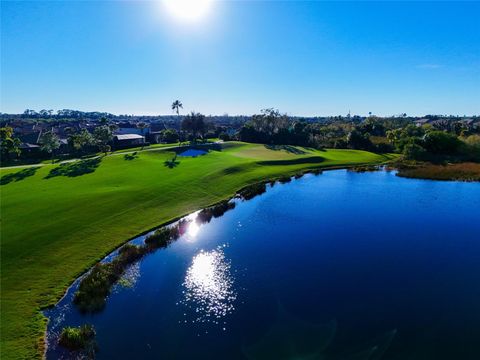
(57,222)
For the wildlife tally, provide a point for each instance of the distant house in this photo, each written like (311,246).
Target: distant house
(131,130)
(29,148)
(421,122)
(30,142)
(127,140)
(468,122)
(154,137)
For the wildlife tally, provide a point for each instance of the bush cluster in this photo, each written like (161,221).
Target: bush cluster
(164,236)
(285,179)
(97,284)
(216,211)
(253,190)
(78,338)
(365,168)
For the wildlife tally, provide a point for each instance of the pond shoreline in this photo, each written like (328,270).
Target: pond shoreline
(68,315)
(367,167)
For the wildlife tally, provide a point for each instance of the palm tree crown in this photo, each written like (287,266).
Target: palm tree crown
(176,105)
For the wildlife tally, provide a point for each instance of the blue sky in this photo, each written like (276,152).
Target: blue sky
(302,57)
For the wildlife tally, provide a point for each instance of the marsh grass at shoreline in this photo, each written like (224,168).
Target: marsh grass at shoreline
(466,171)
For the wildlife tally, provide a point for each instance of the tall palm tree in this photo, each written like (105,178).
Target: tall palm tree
(176,105)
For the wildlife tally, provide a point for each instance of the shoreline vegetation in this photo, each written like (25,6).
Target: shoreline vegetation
(56,256)
(79,339)
(463,171)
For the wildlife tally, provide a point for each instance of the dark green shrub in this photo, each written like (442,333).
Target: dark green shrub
(285,179)
(78,338)
(253,190)
(216,211)
(356,140)
(413,151)
(224,136)
(95,287)
(162,237)
(129,253)
(97,284)
(365,168)
(440,142)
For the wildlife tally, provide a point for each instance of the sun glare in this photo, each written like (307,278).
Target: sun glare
(189,10)
(193,229)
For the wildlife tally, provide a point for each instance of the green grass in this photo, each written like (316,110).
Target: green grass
(56,227)
(58,159)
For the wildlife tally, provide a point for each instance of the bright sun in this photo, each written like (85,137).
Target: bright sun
(188,9)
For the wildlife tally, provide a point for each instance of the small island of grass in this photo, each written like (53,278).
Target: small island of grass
(80,338)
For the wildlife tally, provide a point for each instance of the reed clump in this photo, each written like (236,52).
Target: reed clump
(95,287)
(366,168)
(285,179)
(78,338)
(253,190)
(205,215)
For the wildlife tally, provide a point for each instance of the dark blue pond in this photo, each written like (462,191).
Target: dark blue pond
(339,266)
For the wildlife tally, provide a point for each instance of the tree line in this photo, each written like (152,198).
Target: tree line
(427,142)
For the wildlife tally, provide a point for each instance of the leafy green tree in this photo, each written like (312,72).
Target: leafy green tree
(170,136)
(440,142)
(49,142)
(8,143)
(402,136)
(194,124)
(270,121)
(268,127)
(103,121)
(103,136)
(81,140)
(224,136)
(413,151)
(357,140)
(176,106)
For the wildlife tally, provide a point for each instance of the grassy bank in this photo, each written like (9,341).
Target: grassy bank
(58,220)
(466,171)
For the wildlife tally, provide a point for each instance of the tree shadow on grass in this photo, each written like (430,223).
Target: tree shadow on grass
(17,176)
(288,148)
(172,163)
(131,156)
(77,168)
(296,161)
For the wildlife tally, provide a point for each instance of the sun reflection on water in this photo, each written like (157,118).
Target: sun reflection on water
(208,286)
(193,229)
